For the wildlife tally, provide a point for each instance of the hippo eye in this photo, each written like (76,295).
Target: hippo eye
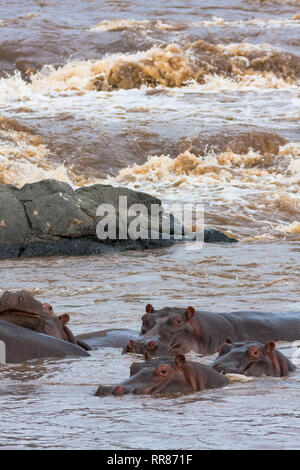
(164,371)
(177,321)
(254,352)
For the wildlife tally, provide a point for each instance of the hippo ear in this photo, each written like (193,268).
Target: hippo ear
(180,361)
(189,313)
(228,341)
(64,318)
(130,346)
(149,308)
(270,346)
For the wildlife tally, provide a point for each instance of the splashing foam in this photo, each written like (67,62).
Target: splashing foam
(143,25)
(23,157)
(154,25)
(199,64)
(253,195)
(262,22)
(293,228)
(189,169)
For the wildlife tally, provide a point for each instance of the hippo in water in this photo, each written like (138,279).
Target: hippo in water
(110,338)
(252,359)
(22,309)
(149,347)
(204,332)
(152,316)
(173,375)
(23,344)
(155,342)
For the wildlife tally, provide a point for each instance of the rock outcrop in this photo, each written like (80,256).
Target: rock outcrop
(51,218)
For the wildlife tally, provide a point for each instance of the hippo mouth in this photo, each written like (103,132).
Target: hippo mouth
(30,320)
(230,370)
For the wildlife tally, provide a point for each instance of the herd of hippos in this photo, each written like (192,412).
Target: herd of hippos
(245,342)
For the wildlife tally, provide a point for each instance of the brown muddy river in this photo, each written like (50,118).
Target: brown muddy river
(195,102)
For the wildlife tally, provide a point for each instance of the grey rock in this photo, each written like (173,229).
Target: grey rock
(50,218)
(14,225)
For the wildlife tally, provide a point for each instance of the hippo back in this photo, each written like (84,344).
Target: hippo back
(22,344)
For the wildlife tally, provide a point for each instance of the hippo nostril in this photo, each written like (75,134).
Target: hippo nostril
(118,391)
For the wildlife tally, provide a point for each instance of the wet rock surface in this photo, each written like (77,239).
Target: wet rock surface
(50,218)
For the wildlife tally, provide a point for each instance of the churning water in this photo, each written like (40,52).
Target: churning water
(190,101)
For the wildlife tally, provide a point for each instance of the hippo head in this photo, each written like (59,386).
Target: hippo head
(173,333)
(171,326)
(183,333)
(172,375)
(251,358)
(149,348)
(134,346)
(153,317)
(22,309)
(137,366)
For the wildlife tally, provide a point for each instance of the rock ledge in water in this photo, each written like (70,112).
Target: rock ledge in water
(50,218)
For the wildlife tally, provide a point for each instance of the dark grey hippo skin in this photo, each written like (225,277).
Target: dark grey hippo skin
(111,338)
(252,358)
(204,332)
(22,345)
(166,375)
(177,330)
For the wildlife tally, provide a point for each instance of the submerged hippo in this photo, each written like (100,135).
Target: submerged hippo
(22,344)
(167,376)
(110,338)
(155,342)
(252,359)
(22,309)
(204,332)
(149,347)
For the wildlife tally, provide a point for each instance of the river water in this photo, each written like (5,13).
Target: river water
(195,102)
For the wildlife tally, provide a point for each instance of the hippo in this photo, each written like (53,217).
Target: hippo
(23,344)
(175,375)
(149,362)
(152,316)
(22,309)
(252,358)
(204,332)
(110,338)
(149,347)
(155,341)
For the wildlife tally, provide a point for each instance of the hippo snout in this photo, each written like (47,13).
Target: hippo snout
(103,391)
